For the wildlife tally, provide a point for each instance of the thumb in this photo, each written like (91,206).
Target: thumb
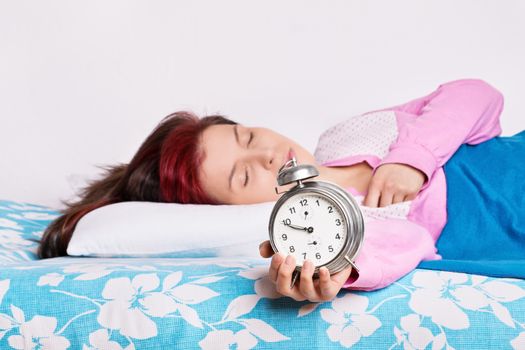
(265,249)
(341,277)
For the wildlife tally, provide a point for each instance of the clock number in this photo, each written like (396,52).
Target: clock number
(317,256)
(337,222)
(292,249)
(292,210)
(317,201)
(304,256)
(304,202)
(284,236)
(330,248)
(337,236)
(330,210)
(287,222)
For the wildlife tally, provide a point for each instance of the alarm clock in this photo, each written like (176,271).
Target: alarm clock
(315,220)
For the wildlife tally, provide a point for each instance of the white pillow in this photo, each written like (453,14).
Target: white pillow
(141,229)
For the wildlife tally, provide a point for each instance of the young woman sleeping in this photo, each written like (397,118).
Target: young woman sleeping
(391,160)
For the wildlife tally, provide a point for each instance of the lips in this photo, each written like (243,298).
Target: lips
(288,157)
(291,154)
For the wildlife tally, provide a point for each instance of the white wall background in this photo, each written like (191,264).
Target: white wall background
(83,83)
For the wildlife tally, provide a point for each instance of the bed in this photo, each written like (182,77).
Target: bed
(223,303)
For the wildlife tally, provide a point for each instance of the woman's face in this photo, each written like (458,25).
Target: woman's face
(240,163)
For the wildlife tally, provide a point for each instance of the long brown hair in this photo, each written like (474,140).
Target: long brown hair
(164,169)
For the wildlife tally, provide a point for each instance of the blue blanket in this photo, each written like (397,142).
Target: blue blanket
(485,230)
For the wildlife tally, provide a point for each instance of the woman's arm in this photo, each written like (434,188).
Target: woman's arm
(392,249)
(458,112)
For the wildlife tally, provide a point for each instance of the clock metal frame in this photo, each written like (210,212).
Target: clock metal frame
(348,206)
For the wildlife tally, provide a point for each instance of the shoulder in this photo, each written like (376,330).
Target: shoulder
(370,133)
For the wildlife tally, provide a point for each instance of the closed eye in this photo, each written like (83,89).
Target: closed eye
(247,177)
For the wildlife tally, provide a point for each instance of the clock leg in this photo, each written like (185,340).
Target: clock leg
(295,274)
(351,263)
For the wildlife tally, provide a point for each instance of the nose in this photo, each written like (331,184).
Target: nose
(263,156)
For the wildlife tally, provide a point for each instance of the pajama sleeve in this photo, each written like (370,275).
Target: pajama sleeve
(392,248)
(458,112)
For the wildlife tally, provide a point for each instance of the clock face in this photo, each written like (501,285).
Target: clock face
(310,226)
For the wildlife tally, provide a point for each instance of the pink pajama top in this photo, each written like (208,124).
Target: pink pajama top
(423,133)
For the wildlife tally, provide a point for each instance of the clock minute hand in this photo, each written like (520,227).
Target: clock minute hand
(307,229)
(297,227)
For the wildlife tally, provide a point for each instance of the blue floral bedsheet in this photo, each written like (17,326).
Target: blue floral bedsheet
(225,303)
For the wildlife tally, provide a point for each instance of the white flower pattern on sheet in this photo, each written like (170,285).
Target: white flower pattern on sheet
(10,239)
(38,216)
(37,333)
(244,304)
(22,207)
(224,339)
(89,271)
(349,319)
(412,335)
(8,223)
(4,286)
(51,279)
(99,340)
(518,343)
(15,246)
(442,295)
(129,302)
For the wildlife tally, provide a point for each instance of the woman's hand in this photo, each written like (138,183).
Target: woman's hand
(394,183)
(324,288)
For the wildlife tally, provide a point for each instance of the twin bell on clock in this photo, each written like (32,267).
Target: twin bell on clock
(315,220)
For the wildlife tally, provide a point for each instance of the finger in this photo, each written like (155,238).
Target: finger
(398,198)
(386,198)
(265,249)
(327,288)
(277,261)
(331,285)
(340,278)
(372,197)
(284,276)
(410,197)
(306,287)
(284,280)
